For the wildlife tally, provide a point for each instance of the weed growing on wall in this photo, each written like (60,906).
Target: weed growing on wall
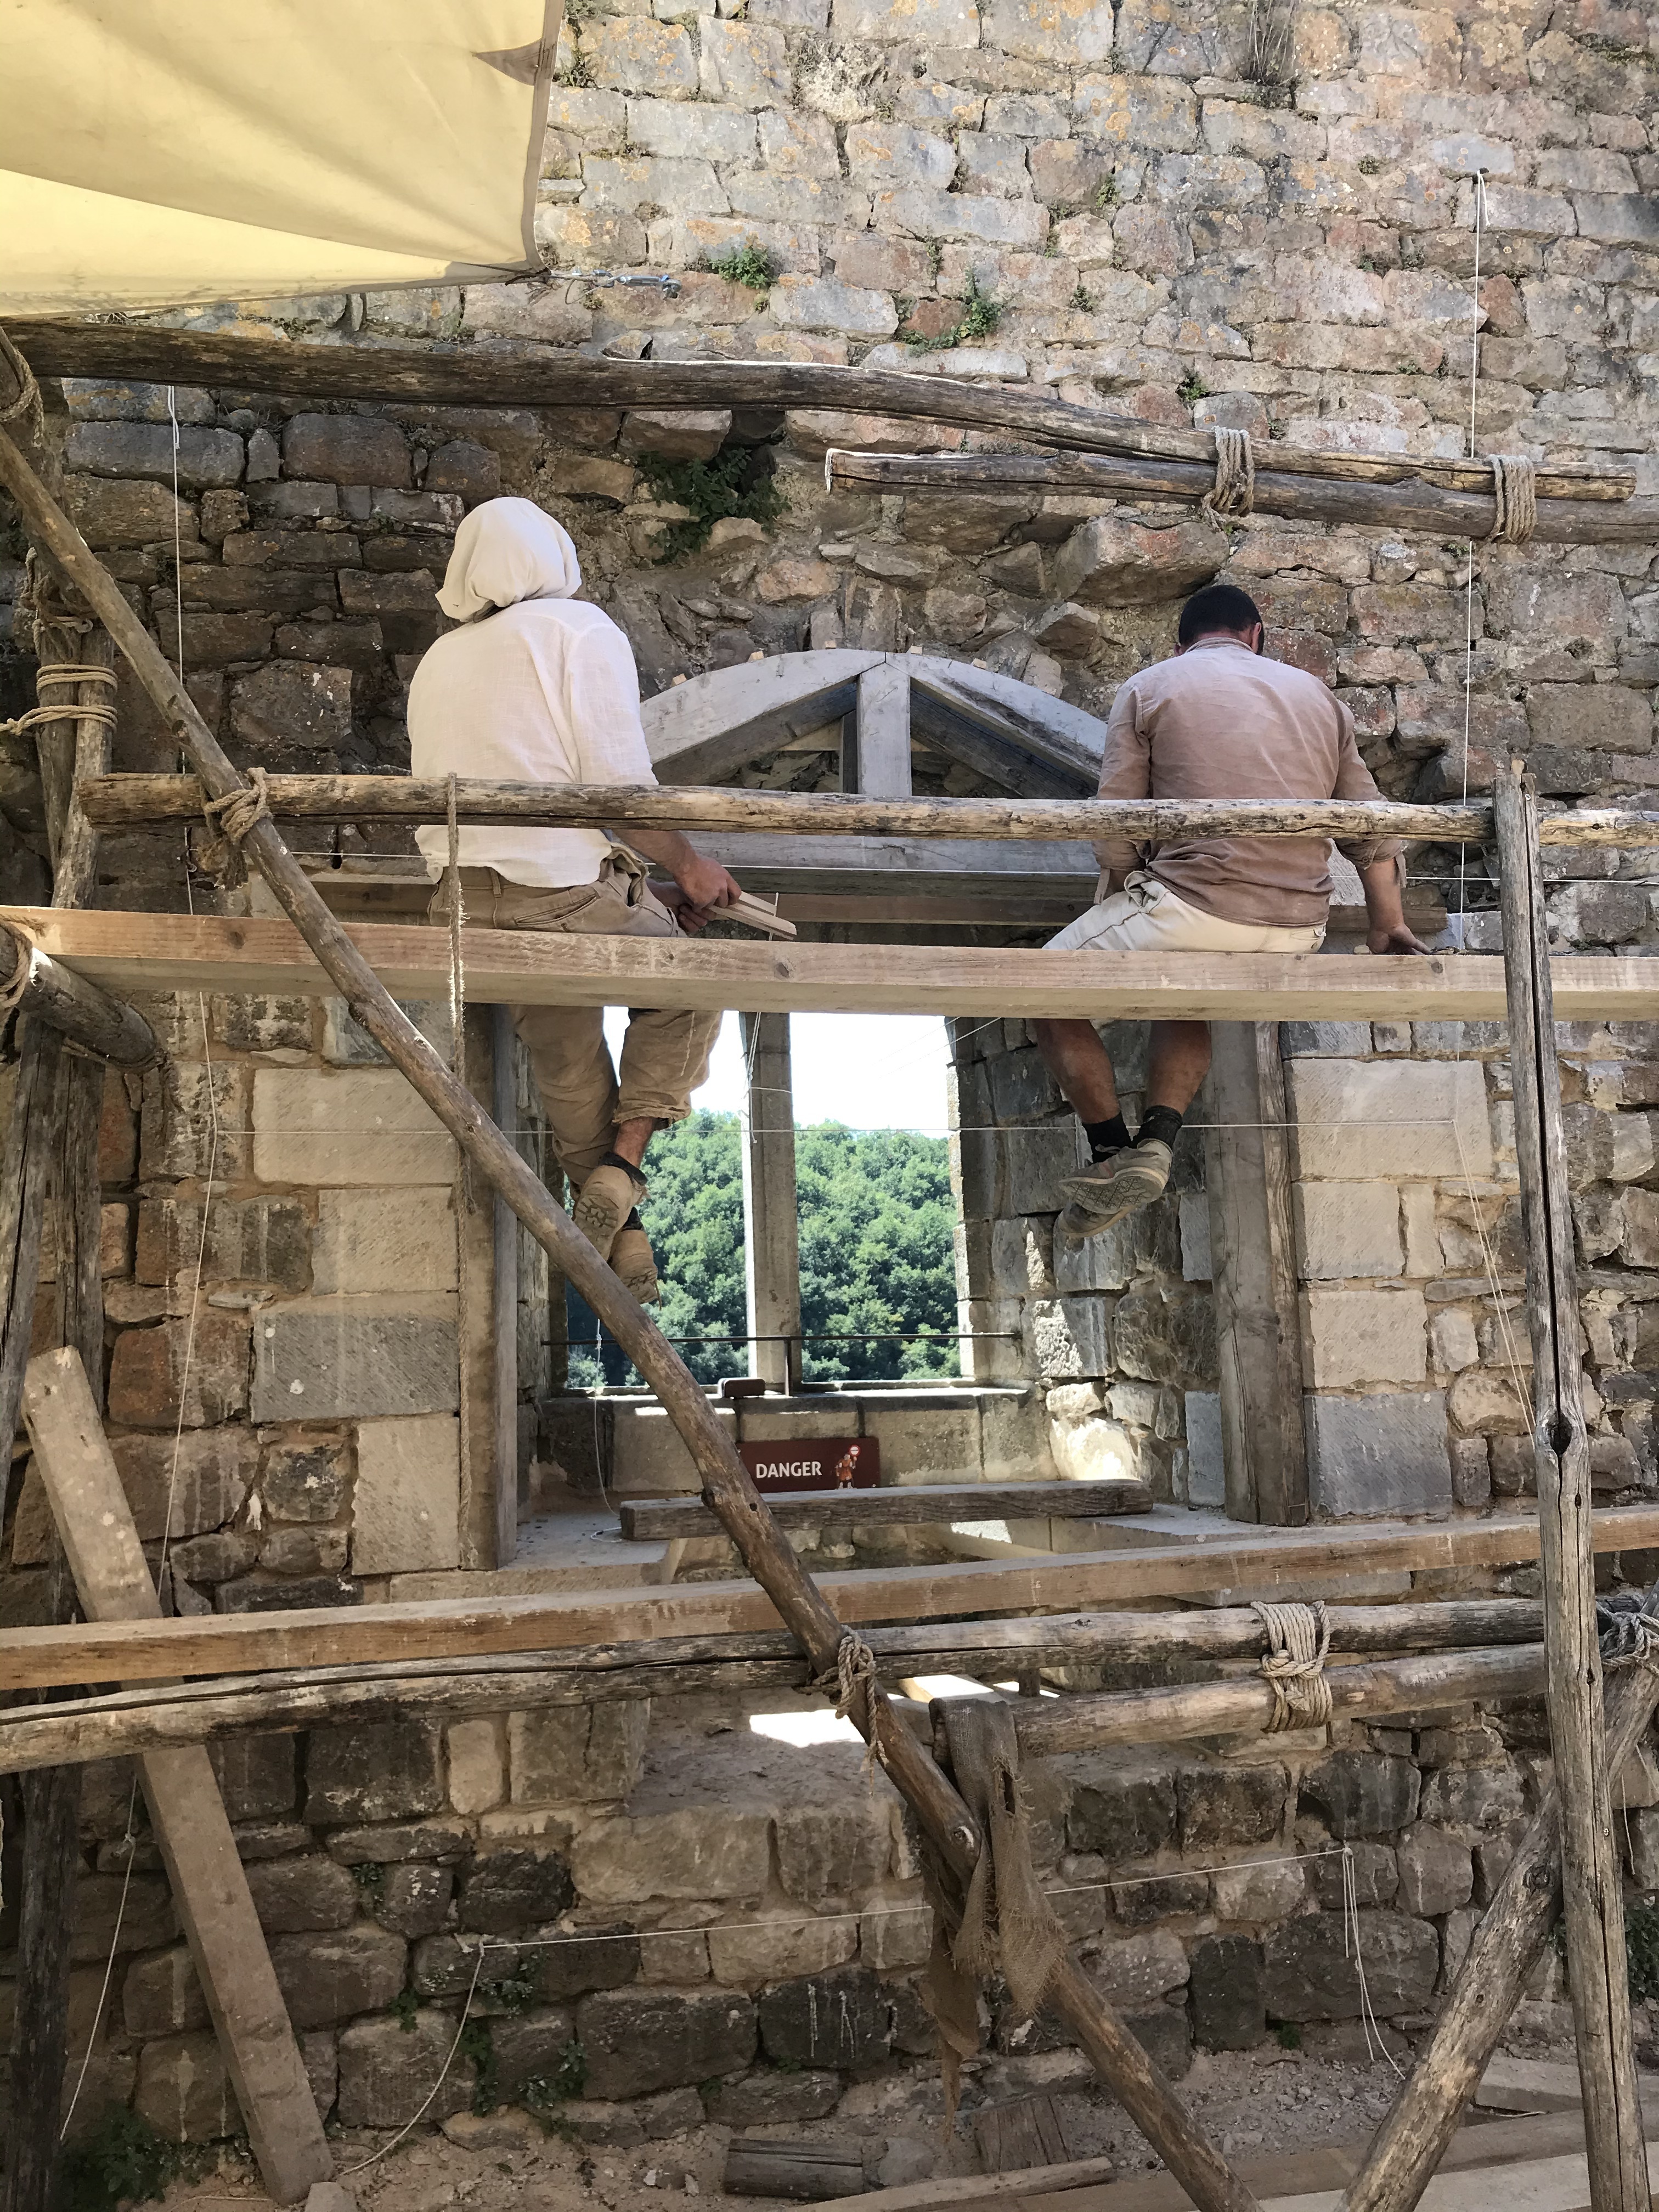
(736,483)
(979,317)
(122,2160)
(750,265)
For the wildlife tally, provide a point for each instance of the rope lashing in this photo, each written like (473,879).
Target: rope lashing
(855,1677)
(1627,1630)
(28,401)
(13,989)
(237,812)
(1514,493)
(1298,1639)
(1233,492)
(102,711)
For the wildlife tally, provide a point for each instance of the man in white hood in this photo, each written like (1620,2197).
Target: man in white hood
(538,687)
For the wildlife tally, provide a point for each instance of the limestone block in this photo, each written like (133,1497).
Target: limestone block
(148,1920)
(840,2019)
(1109,1261)
(1421,1232)
(1038,1160)
(1022,1257)
(780,1941)
(1229,2003)
(114,515)
(1070,1337)
(478,1765)
(414,1900)
(182,1100)
(407,1506)
(683,434)
(293,1895)
(380,2061)
(1196,1265)
(383,1240)
(747,64)
(367,1127)
(1207,1465)
(1373,1869)
(1125,1813)
(345,449)
(529,2045)
(255,1775)
(347,1043)
(1472,1485)
(1311,1974)
(160,1375)
(1350,1337)
(1452,1340)
(927,1443)
(1138,1970)
(443,1841)
(1436,1873)
(822,303)
(332,1359)
(162,1994)
(1385,1453)
(514,1887)
(1363,1793)
(1347,1229)
(302,1483)
(1223,1807)
(1323,1040)
(639,2040)
(183,2090)
(1487,1401)
(1398,1119)
(1478,1798)
(332,1977)
(1258,1890)
(293,704)
(1093,1450)
(201,456)
(766,2097)
(701,1851)
(577,1753)
(379,1773)
(1109,561)
(1163,1337)
(836,1851)
(649,1459)
(249,1240)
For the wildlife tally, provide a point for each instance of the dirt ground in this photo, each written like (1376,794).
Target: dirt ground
(1248,2102)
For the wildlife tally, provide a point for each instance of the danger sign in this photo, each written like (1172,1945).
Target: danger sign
(814,1463)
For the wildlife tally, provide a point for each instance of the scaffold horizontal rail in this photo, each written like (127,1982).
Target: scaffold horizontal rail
(124,802)
(125,952)
(406,1630)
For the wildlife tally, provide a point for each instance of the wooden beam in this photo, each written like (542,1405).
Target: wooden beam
(77,1008)
(883,716)
(474,376)
(771,1241)
(649,1520)
(1592,1886)
(1458,508)
(504,1301)
(187,1814)
(455,1627)
(1247,1175)
(124,802)
(207,952)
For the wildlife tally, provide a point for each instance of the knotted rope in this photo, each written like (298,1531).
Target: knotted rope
(235,814)
(16,984)
(1233,492)
(28,401)
(1627,1630)
(1298,1639)
(1515,493)
(102,711)
(463,1185)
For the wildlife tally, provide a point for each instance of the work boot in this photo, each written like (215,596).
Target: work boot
(635,1265)
(608,1197)
(1113,1188)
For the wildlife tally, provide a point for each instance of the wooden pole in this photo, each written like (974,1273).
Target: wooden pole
(1593,1890)
(1408,2147)
(771,1239)
(1142,2089)
(125,802)
(1247,1173)
(81,1010)
(39,1103)
(475,377)
(1447,509)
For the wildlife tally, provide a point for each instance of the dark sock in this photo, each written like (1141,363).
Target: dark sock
(1163,1122)
(632,1222)
(1106,1137)
(616,1160)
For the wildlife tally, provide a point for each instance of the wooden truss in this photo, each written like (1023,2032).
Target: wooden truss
(1571,1839)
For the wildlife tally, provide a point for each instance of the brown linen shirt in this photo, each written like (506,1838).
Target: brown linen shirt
(1221,722)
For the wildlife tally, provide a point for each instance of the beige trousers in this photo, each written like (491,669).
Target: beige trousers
(664,1056)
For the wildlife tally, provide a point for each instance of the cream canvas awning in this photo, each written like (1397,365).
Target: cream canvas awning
(170,153)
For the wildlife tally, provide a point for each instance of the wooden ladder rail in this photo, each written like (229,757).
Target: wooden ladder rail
(1112,2048)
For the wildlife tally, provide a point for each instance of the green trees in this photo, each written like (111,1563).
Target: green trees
(876,1218)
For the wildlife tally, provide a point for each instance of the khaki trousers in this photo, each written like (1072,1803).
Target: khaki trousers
(664,1056)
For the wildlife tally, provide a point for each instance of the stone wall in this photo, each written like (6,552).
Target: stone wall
(686,1917)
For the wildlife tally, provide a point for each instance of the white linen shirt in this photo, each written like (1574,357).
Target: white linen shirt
(542,690)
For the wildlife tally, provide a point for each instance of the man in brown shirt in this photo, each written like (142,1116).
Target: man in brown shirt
(1218,722)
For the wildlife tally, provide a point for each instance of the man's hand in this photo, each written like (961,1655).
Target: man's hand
(1394,937)
(706,888)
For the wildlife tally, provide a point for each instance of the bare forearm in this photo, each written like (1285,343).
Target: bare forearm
(669,849)
(1385,907)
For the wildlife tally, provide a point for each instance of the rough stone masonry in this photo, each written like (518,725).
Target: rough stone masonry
(1257,216)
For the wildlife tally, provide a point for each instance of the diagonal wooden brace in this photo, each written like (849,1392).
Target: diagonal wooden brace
(726,1487)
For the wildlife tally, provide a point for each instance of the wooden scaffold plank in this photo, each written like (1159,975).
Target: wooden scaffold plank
(187,1814)
(209,952)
